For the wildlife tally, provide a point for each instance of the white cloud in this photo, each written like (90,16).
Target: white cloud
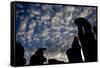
(20,5)
(45,7)
(68,13)
(55,20)
(69,8)
(66,32)
(47,38)
(68,17)
(32,25)
(59,14)
(45,17)
(35,12)
(71,28)
(36,39)
(71,34)
(45,32)
(23,24)
(86,12)
(56,28)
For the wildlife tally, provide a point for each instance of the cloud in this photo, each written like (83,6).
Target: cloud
(34,12)
(46,7)
(45,17)
(59,36)
(45,32)
(55,20)
(59,14)
(19,5)
(69,8)
(23,24)
(86,11)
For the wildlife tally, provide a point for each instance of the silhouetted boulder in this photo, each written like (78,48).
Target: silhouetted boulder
(87,39)
(54,61)
(74,54)
(19,55)
(95,30)
(38,58)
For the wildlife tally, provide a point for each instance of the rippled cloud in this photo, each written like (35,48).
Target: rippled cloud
(50,26)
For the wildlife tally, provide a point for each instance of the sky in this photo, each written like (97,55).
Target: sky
(49,26)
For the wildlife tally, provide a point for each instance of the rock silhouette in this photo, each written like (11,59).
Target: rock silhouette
(95,30)
(38,58)
(74,54)
(87,39)
(19,55)
(54,61)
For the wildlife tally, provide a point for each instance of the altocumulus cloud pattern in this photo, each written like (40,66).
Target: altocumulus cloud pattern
(49,26)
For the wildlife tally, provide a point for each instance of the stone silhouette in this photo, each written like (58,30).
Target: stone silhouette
(38,58)
(74,54)
(87,39)
(95,30)
(19,55)
(54,61)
